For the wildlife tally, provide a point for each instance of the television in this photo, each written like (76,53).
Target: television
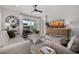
(57,24)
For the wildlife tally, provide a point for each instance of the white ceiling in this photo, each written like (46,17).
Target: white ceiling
(50,10)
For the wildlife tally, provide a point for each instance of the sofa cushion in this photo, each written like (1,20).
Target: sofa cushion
(17,39)
(3,38)
(75,47)
(65,41)
(22,47)
(34,38)
(71,42)
(75,44)
(11,34)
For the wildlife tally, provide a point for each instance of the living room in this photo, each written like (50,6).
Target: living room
(31,29)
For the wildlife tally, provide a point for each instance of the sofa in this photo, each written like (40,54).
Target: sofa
(51,42)
(18,45)
(59,49)
(15,45)
(73,44)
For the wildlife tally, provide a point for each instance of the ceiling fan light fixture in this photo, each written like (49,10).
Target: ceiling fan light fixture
(36,10)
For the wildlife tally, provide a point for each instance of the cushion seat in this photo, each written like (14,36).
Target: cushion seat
(17,39)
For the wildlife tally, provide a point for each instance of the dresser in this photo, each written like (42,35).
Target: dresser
(64,32)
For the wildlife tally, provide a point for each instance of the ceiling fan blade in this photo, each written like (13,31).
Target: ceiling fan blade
(36,10)
(39,11)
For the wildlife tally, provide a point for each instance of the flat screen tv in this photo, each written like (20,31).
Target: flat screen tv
(56,24)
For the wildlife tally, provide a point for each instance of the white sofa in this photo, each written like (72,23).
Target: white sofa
(74,43)
(16,45)
(52,42)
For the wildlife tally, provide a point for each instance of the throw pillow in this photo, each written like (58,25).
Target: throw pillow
(65,42)
(11,34)
(34,38)
(74,44)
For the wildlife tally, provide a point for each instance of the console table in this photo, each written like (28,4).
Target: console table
(64,32)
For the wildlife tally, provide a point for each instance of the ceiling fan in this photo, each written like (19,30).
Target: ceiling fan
(36,10)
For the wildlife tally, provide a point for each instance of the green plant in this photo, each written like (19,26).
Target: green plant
(33,29)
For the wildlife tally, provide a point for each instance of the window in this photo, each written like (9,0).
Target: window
(29,23)
(26,22)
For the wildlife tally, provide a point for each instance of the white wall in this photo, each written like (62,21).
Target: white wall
(0,19)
